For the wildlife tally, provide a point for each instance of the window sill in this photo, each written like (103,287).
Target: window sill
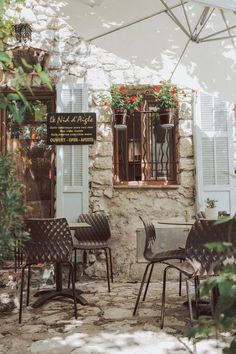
(142,185)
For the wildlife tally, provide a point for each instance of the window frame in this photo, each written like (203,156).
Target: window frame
(161,182)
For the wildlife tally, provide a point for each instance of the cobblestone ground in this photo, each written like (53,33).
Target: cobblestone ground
(104,326)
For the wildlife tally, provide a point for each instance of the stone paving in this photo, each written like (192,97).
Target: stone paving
(105,326)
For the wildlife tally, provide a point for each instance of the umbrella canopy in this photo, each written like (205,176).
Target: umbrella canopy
(193,43)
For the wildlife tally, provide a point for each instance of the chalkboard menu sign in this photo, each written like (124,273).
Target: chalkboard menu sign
(71,128)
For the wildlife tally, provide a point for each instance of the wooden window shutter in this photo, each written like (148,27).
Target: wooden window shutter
(213,142)
(72,160)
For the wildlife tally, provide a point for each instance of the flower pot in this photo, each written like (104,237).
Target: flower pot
(167,118)
(31,55)
(119,119)
(211,213)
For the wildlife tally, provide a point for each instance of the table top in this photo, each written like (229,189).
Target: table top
(177,221)
(77,225)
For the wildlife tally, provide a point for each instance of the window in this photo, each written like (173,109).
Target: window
(144,152)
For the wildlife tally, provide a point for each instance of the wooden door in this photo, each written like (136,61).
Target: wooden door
(35,160)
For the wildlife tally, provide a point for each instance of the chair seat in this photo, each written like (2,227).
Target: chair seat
(165,256)
(89,246)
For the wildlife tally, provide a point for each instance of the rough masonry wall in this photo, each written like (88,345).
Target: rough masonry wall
(74,60)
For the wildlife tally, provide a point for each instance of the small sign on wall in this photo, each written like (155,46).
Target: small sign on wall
(71,128)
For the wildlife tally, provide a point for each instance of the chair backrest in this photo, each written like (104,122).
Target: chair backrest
(99,232)
(50,241)
(205,231)
(150,238)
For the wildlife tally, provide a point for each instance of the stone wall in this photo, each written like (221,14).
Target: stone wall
(74,60)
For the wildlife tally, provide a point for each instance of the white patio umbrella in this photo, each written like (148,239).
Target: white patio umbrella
(193,43)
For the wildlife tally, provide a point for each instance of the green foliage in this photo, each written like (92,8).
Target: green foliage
(211,203)
(121,100)
(19,77)
(167,95)
(11,206)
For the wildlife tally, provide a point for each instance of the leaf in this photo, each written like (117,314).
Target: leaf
(45,79)
(17,116)
(4,57)
(26,65)
(1,7)
(37,68)
(13,97)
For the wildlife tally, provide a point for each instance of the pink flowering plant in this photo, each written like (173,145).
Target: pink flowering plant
(120,100)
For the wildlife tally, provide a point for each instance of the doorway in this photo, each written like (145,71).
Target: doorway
(35,160)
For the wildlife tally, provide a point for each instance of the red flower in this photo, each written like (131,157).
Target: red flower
(173,91)
(105,104)
(132,99)
(184,93)
(121,90)
(157,88)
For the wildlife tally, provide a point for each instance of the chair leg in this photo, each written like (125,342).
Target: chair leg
(197,295)
(69,275)
(21,293)
(108,273)
(180,283)
(111,265)
(163,297)
(28,286)
(75,273)
(189,302)
(141,288)
(148,282)
(73,287)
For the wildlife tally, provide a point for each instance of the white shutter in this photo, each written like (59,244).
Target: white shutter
(72,160)
(213,143)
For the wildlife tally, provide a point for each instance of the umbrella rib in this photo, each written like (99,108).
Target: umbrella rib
(134,22)
(204,24)
(226,24)
(186,17)
(175,19)
(217,39)
(180,58)
(216,33)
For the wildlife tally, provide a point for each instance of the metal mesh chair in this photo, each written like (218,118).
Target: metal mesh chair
(95,238)
(202,261)
(154,258)
(50,242)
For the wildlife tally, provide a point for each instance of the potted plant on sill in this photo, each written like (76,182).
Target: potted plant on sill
(211,211)
(166,97)
(121,104)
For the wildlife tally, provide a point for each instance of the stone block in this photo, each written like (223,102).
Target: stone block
(185,147)
(104,149)
(186,164)
(97,79)
(103,163)
(76,70)
(185,128)
(186,179)
(102,177)
(108,192)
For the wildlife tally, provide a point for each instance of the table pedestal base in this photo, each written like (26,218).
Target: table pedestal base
(51,294)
